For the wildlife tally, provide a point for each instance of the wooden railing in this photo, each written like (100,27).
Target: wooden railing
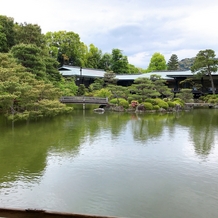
(83,100)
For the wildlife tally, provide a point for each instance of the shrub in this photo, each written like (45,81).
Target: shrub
(147,105)
(124,103)
(186,95)
(151,100)
(171,104)
(134,103)
(213,101)
(161,103)
(120,102)
(114,101)
(179,101)
(156,107)
(103,93)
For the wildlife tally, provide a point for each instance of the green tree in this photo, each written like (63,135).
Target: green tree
(81,90)
(205,64)
(105,62)
(93,57)
(30,56)
(186,95)
(3,40)
(157,63)
(66,47)
(23,97)
(133,69)
(119,62)
(97,85)
(52,72)
(28,34)
(110,78)
(143,88)
(6,33)
(119,92)
(173,63)
(161,87)
(68,87)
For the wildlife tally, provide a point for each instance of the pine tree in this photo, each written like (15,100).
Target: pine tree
(173,63)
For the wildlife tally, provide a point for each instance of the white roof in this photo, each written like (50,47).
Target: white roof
(85,72)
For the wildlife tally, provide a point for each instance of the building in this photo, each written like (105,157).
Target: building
(173,78)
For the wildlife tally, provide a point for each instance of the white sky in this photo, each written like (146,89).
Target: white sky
(138,27)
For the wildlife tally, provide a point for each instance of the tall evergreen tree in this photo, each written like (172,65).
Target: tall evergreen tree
(173,63)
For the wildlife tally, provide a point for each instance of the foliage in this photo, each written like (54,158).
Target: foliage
(133,69)
(51,69)
(179,101)
(66,47)
(173,63)
(22,96)
(81,90)
(110,78)
(205,64)
(151,100)
(6,33)
(120,102)
(160,86)
(105,62)
(97,85)
(28,34)
(161,103)
(194,84)
(186,95)
(30,57)
(143,88)
(119,62)
(213,99)
(36,62)
(147,105)
(171,104)
(156,107)
(119,91)
(157,63)
(103,93)
(93,57)
(68,87)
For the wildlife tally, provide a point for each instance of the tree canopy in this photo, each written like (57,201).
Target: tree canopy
(119,62)
(66,47)
(28,34)
(206,63)
(173,63)
(6,33)
(22,96)
(157,63)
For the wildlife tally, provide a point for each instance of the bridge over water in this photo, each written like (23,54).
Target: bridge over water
(83,100)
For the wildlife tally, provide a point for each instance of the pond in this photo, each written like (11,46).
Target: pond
(115,164)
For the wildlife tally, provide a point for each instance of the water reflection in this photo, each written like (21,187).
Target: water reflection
(202,126)
(88,162)
(26,147)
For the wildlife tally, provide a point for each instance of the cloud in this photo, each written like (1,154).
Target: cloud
(137,27)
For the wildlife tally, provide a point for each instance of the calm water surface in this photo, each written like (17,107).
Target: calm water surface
(127,165)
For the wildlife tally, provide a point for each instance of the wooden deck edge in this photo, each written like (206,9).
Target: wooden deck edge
(35,213)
